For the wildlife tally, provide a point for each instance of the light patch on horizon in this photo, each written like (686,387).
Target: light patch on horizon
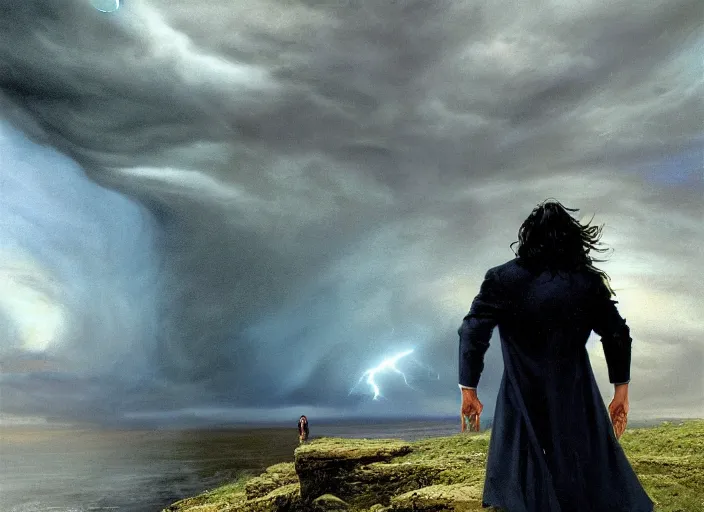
(37,317)
(647,308)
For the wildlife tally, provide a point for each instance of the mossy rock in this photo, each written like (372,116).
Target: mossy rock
(324,466)
(447,474)
(222,498)
(274,477)
(207,507)
(378,482)
(208,504)
(283,499)
(440,498)
(330,503)
(328,448)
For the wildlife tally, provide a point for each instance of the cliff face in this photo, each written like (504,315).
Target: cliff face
(350,469)
(439,475)
(377,475)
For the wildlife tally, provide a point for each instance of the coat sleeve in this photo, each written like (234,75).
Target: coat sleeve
(477,328)
(615,335)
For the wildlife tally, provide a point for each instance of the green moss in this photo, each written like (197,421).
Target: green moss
(348,449)
(675,439)
(284,499)
(669,461)
(330,503)
(275,476)
(214,500)
(391,475)
(438,498)
(283,468)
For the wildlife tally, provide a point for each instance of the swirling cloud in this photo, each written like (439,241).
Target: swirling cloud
(238,208)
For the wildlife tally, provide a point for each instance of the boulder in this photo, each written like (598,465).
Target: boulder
(275,476)
(327,466)
(440,498)
(330,503)
(369,484)
(212,501)
(283,499)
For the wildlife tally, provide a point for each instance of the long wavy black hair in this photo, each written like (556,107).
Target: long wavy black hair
(550,238)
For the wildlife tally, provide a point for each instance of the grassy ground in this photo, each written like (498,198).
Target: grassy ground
(669,460)
(215,500)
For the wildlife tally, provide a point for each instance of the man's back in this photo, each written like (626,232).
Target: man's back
(546,314)
(551,434)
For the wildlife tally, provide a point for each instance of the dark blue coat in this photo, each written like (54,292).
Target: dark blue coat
(552,445)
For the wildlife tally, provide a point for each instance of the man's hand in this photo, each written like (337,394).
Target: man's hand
(618,409)
(471,409)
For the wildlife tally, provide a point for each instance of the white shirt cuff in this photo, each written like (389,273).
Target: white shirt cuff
(465,387)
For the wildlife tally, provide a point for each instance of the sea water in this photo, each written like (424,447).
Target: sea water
(95,470)
(82,470)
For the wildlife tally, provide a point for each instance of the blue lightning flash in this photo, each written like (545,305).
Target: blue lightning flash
(388,364)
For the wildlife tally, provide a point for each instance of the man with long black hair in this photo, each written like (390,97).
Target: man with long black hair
(303,430)
(553,447)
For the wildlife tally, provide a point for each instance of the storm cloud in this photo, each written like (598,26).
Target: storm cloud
(232,210)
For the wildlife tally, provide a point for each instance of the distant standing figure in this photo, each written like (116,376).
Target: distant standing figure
(303,431)
(552,447)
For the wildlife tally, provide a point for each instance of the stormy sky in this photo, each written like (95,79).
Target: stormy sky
(228,211)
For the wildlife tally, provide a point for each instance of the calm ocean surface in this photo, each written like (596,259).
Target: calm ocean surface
(74,470)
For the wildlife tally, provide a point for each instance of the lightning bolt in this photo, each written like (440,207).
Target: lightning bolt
(388,364)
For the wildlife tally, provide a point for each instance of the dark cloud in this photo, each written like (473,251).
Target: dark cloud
(261,201)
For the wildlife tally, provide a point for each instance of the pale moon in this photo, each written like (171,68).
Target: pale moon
(106,5)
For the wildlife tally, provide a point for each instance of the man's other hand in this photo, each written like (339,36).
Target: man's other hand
(618,410)
(471,409)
